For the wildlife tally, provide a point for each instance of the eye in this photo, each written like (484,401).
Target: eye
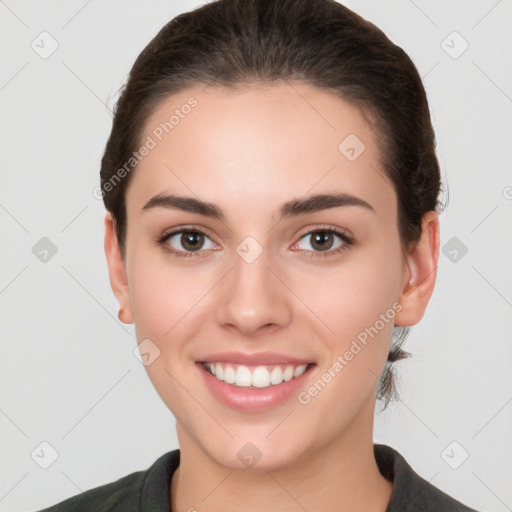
(190,240)
(323,240)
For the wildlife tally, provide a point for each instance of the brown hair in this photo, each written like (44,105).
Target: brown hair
(227,43)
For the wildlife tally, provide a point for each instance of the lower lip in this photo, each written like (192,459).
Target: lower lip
(253,399)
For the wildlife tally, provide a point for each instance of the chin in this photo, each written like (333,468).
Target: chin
(257,456)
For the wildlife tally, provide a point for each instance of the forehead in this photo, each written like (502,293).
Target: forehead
(254,142)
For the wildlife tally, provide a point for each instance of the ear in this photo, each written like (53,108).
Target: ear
(420,274)
(117,270)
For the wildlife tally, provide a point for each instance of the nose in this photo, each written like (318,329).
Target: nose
(253,297)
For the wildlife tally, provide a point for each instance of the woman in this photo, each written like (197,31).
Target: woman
(272,193)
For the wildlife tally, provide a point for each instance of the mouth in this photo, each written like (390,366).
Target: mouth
(254,382)
(255,377)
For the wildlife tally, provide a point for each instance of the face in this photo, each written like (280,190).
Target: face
(260,276)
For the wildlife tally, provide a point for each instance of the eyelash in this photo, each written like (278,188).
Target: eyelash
(347,242)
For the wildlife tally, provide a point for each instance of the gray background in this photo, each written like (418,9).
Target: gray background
(68,373)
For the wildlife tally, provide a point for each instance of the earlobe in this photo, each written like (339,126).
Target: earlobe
(420,273)
(117,270)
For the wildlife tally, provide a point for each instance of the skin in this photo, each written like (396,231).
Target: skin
(249,152)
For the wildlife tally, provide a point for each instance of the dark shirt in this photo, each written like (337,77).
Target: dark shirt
(148,491)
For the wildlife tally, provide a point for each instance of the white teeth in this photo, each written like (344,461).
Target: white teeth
(259,377)
(288,373)
(299,370)
(276,376)
(229,375)
(243,376)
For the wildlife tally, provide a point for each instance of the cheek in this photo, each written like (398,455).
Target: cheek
(359,306)
(352,296)
(154,304)
(165,296)
(166,302)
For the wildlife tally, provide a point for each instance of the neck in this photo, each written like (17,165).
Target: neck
(342,475)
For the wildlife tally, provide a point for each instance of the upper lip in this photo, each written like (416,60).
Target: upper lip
(250,359)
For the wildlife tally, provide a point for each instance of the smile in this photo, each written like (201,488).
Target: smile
(254,376)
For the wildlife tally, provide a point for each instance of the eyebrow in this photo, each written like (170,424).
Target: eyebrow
(291,208)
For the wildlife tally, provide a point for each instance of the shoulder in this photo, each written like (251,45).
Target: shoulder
(118,495)
(142,490)
(410,491)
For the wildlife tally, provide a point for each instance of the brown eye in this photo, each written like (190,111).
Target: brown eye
(186,242)
(328,241)
(191,240)
(322,240)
